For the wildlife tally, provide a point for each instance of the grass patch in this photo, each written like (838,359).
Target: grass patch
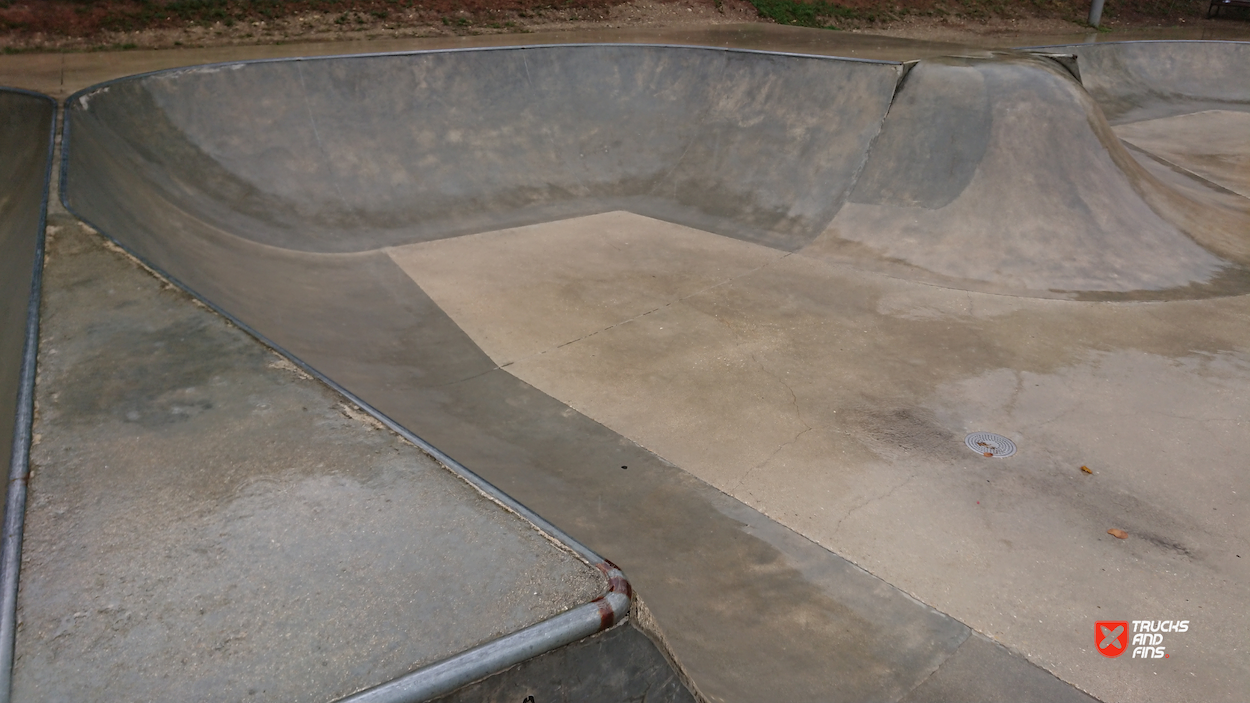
(818,13)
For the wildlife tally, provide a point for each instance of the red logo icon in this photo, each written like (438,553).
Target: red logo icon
(1111,637)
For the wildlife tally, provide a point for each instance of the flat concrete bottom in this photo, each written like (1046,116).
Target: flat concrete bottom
(836,402)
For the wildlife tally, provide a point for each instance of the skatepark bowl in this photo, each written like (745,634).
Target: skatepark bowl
(726,317)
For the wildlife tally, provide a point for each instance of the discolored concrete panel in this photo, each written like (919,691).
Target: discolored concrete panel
(626,266)
(205,521)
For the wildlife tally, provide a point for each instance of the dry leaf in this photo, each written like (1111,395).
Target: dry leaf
(1117,533)
(1087,470)
(989,453)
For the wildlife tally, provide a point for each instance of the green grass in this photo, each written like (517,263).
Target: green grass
(819,14)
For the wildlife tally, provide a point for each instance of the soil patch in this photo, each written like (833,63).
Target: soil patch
(77,25)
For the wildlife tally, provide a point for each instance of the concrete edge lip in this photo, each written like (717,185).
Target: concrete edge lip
(601,613)
(19,461)
(468,49)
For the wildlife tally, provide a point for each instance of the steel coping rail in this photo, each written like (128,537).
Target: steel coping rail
(19,460)
(447,675)
(467,50)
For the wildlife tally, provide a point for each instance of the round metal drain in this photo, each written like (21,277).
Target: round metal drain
(990,444)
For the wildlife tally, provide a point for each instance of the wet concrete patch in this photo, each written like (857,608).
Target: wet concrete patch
(836,403)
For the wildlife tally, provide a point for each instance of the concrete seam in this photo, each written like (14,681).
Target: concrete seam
(646,623)
(904,70)
(928,676)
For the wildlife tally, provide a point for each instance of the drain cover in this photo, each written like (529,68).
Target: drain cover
(990,444)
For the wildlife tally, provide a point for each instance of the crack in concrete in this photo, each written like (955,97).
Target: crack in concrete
(1193,419)
(837,527)
(798,413)
(1015,395)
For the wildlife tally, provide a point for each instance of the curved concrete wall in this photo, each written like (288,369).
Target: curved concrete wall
(1144,80)
(352,154)
(996,174)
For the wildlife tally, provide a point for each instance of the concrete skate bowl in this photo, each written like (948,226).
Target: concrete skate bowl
(412,225)
(995,173)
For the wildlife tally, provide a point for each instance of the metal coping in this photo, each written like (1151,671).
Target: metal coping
(442,677)
(19,460)
(458,50)
(1135,41)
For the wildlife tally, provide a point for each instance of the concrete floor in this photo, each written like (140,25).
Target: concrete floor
(762,397)
(835,402)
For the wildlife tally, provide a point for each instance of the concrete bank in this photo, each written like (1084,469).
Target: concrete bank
(207,522)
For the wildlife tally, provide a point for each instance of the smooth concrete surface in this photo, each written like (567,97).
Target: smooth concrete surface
(206,522)
(25,128)
(780,407)
(836,403)
(1135,81)
(639,265)
(978,661)
(1212,144)
(396,150)
(998,175)
(620,664)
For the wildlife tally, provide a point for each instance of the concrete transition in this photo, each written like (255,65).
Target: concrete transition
(726,317)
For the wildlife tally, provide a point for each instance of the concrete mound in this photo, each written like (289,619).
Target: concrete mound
(1001,175)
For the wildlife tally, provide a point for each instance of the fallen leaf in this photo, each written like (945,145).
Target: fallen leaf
(1117,533)
(1087,470)
(989,454)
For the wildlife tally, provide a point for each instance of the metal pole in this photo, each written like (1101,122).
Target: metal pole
(19,461)
(1095,13)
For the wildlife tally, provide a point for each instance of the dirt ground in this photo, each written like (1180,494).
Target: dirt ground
(86,25)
